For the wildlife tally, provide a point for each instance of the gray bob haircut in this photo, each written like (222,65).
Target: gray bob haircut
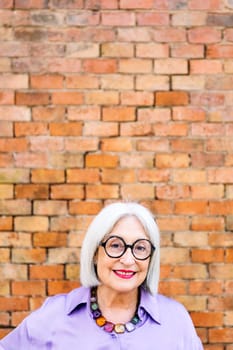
(102,224)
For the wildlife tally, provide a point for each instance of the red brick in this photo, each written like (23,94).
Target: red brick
(207,5)
(170,35)
(83,113)
(187,50)
(173,192)
(152,19)
(85,18)
(136,34)
(36,4)
(219,51)
(205,35)
(118,18)
(205,66)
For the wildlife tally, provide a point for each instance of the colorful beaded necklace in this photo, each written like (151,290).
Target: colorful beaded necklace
(109,326)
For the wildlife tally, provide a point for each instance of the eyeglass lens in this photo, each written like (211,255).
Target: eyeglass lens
(115,247)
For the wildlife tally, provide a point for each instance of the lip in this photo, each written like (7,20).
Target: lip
(125,274)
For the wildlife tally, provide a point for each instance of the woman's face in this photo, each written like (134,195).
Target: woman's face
(126,273)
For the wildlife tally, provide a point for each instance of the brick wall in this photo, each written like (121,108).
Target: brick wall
(102,100)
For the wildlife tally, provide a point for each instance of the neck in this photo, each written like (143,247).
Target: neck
(115,306)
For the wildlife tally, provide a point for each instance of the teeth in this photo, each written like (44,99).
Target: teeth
(125,273)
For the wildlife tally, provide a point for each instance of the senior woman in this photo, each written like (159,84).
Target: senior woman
(118,305)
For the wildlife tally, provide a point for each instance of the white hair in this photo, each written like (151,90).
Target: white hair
(102,224)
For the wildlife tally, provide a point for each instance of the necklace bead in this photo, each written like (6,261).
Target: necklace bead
(109,327)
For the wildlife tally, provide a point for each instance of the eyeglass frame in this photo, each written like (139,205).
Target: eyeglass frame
(126,246)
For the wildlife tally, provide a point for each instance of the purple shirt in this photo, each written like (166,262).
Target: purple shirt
(65,322)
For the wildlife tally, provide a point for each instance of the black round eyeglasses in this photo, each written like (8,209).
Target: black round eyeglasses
(115,247)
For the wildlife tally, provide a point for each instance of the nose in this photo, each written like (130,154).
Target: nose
(128,257)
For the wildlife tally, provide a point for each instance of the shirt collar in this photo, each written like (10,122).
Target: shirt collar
(76,298)
(81,295)
(149,303)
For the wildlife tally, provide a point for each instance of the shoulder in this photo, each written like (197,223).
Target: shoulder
(56,308)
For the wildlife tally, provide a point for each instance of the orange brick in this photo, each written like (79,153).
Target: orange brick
(188,113)
(175,160)
(137,191)
(82,175)
(101,129)
(221,335)
(37,255)
(136,4)
(65,129)
(135,65)
(172,129)
(204,35)
(27,128)
(137,98)
(209,319)
(112,49)
(207,223)
(14,303)
(6,223)
(50,272)
(28,288)
(171,98)
(120,114)
(102,98)
(48,175)
(151,50)
(32,98)
(100,66)
(67,191)
(18,317)
(191,207)
(207,255)
(83,113)
(101,160)
(84,208)
(55,287)
(67,98)
(136,129)
(205,67)
(49,207)
(82,82)
(31,223)
(48,114)
(6,191)
(117,82)
(116,145)
(205,287)
(46,81)
(13,145)
(118,176)
(173,192)
(170,288)
(49,239)
(102,191)
(153,175)
(155,145)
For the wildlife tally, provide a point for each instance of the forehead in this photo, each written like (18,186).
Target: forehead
(129,228)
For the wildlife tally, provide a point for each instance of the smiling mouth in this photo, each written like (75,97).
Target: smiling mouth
(124,274)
